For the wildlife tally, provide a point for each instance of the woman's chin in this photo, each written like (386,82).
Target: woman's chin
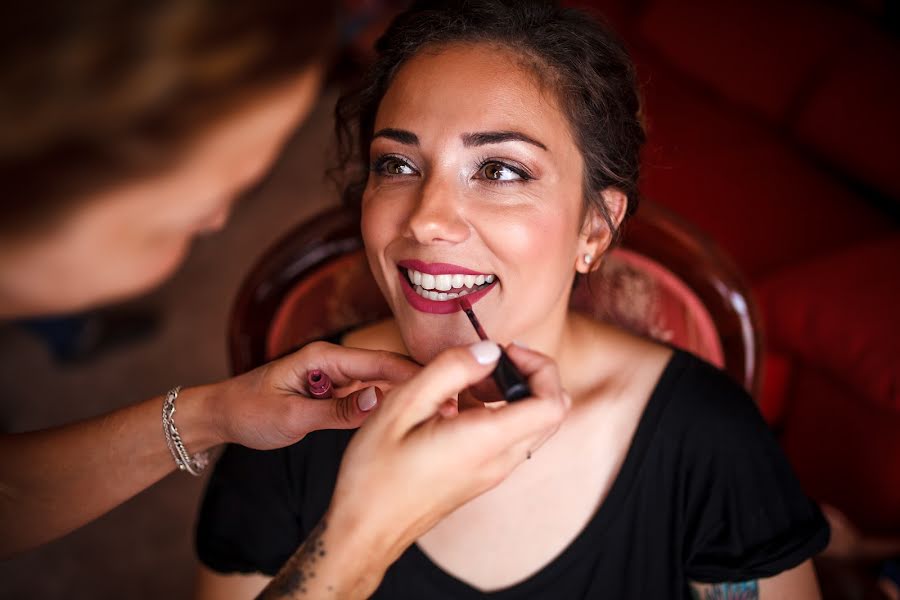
(423,348)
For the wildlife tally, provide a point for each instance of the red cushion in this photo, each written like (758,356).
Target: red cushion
(759,54)
(765,203)
(852,118)
(845,452)
(841,313)
(774,387)
(644,296)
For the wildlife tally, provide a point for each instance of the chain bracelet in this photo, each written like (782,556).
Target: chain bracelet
(193,465)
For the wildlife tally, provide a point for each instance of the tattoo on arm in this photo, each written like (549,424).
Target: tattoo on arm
(293,578)
(745,590)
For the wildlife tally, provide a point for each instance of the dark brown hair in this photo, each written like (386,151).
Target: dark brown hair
(575,56)
(98,90)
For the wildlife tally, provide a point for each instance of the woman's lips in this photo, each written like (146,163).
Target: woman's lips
(439,307)
(436,268)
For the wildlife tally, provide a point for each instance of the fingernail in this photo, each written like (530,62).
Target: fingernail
(367,399)
(520,344)
(485,352)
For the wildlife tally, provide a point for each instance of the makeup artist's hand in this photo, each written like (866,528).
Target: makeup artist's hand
(269,407)
(410,464)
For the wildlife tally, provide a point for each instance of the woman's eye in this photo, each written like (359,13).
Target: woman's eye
(497,171)
(394,166)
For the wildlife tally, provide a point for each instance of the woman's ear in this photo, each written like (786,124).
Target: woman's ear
(596,235)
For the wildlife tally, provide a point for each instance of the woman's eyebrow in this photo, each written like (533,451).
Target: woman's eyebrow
(398,135)
(483,138)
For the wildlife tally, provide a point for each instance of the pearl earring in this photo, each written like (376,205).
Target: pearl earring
(588,258)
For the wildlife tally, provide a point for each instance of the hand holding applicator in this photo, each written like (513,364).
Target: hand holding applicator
(512,384)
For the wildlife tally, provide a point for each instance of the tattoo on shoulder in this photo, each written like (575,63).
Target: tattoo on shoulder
(744,590)
(293,578)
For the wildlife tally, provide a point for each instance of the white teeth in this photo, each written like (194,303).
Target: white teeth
(439,296)
(448,281)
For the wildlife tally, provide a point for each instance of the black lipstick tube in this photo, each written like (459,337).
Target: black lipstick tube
(509,379)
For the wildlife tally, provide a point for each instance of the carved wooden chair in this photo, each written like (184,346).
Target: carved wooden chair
(665,281)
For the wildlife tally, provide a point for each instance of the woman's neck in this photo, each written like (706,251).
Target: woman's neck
(590,355)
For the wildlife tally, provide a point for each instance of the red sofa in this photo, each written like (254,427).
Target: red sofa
(775,127)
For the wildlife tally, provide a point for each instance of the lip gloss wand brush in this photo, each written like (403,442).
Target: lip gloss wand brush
(512,384)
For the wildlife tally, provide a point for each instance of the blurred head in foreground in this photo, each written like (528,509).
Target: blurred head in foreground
(131,127)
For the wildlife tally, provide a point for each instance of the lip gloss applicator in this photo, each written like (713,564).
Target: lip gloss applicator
(512,384)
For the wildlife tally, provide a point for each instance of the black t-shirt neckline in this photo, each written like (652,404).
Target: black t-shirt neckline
(604,515)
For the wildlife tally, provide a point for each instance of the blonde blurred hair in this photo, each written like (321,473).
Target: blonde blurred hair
(99,90)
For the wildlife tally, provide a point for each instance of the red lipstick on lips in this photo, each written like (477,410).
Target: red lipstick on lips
(438,307)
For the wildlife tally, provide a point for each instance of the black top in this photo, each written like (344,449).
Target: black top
(704,494)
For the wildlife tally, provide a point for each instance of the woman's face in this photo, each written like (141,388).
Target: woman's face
(475,189)
(126,239)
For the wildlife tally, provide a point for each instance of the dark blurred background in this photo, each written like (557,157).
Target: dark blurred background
(773,127)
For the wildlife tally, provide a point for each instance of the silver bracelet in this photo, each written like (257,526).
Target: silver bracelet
(193,465)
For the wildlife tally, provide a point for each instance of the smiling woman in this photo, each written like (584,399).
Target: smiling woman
(489,175)
(496,146)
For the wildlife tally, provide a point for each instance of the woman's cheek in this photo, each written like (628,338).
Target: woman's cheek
(376,233)
(528,241)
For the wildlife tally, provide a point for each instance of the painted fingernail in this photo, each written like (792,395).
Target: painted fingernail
(367,399)
(485,352)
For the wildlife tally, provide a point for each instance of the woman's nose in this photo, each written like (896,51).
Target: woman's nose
(436,217)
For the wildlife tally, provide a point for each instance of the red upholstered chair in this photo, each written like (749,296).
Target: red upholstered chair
(665,281)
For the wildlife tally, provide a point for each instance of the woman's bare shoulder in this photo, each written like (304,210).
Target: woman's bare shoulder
(381,335)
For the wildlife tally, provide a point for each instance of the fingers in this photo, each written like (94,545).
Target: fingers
(344,365)
(480,393)
(532,420)
(451,372)
(529,363)
(347,412)
(540,370)
(470,398)
(448,409)
(488,444)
